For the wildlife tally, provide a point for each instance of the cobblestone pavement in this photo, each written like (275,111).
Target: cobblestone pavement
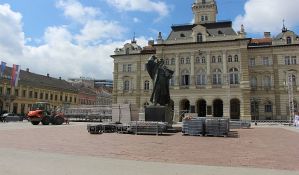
(262,147)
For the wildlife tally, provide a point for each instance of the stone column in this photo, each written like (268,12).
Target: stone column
(177,71)
(192,77)
(208,58)
(225,73)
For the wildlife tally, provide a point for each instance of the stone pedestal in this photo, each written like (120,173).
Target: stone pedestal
(158,113)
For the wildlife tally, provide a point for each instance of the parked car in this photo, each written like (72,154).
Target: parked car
(10,117)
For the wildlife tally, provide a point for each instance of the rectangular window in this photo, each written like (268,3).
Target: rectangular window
(252,62)
(124,68)
(287,60)
(75,99)
(268,108)
(61,97)
(1,90)
(56,97)
(266,61)
(47,96)
(17,92)
(30,94)
(71,99)
(293,60)
(65,98)
(8,91)
(201,79)
(41,96)
(24,93)
(129,67)
(51,96)
(35,94)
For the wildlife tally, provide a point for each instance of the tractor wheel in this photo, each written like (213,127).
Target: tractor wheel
(46,121)
(35,122)
(58,120)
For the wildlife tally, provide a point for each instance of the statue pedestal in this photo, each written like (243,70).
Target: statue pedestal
(158,113)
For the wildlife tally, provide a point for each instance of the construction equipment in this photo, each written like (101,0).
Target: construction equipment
(42,112)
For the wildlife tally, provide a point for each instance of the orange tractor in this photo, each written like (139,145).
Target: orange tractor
(41,112)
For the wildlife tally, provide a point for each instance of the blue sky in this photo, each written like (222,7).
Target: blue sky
(77,37)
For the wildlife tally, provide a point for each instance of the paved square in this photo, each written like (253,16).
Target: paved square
(270,148)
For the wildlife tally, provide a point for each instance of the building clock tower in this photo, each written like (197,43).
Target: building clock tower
(205,11)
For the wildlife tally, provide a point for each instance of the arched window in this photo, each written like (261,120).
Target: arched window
(182,60)
(126,85)
(289,40)
(201,78)
(167,61)
(230,59)
(213,59)
(199,38)
(267,82)
(187,60)
(185,78)
(236,58)
(268,106)
(219,59)
(172,61)
(234,76)
(203,60)
(217,77)
(253,82)
(197,60)
(146,85)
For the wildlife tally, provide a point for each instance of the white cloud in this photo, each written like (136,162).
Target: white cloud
(267,15)
(95,30)
(141,5)
(76,11)
(58,54)
(136,20)
(11,35)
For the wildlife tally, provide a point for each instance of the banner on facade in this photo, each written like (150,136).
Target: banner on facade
(15,73)
(2,69)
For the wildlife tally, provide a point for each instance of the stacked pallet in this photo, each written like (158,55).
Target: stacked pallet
(193,126)
(217,127)
(147,127)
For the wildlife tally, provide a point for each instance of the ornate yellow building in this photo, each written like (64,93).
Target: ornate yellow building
(218,72)
(34,88)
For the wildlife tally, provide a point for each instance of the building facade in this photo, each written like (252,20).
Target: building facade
(218,71)
(34,88)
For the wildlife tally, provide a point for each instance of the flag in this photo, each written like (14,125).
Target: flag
(3,66)
(15,75)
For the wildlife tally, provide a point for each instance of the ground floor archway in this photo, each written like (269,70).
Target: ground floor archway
(235,109)
(184,108)
(218,108)
(201,108)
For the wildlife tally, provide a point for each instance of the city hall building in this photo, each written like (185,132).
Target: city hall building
(218,72)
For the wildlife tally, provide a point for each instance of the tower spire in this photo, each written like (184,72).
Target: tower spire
(134,40)
(284,29)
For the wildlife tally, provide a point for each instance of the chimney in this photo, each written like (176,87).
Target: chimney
(27,70)
(48,75)
(267,34)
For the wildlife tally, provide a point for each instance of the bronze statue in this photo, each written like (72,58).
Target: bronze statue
(160,75)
